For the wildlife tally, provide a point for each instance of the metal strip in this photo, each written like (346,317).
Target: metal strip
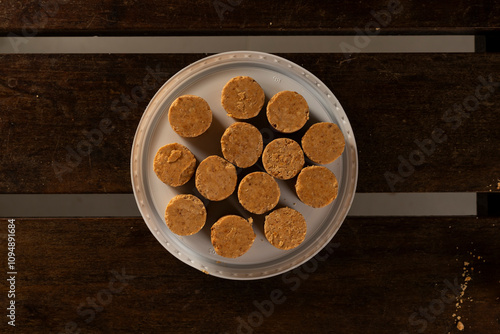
(214,44)
(124,205)
(68,205)
(414,204)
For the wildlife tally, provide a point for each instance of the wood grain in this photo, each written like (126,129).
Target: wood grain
(383,275)
(229,17)
(50,104)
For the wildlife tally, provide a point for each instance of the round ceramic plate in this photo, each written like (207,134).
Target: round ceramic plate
(206,78)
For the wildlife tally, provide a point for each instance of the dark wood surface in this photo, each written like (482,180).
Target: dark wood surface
(48,102)
(383,274)
(231,17)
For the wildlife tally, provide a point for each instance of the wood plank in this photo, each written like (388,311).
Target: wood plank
(229,17)
(391,100)
(45,115)
(385,275)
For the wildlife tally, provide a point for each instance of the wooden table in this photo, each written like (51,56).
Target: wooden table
(378,275)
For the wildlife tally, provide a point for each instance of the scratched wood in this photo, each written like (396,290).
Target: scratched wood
(393,101)
(213,17)
(385,275)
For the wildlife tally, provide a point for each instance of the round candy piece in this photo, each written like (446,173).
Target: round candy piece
(174,164)
(190,116)
(242,144)
(232,236)
(242,97)
(283,158)
(323,142)
(287,111)
(215,178)
(285,228)
(185,214)
(316,186)
(258,192)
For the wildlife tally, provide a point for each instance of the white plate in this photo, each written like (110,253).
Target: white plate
(206,78)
